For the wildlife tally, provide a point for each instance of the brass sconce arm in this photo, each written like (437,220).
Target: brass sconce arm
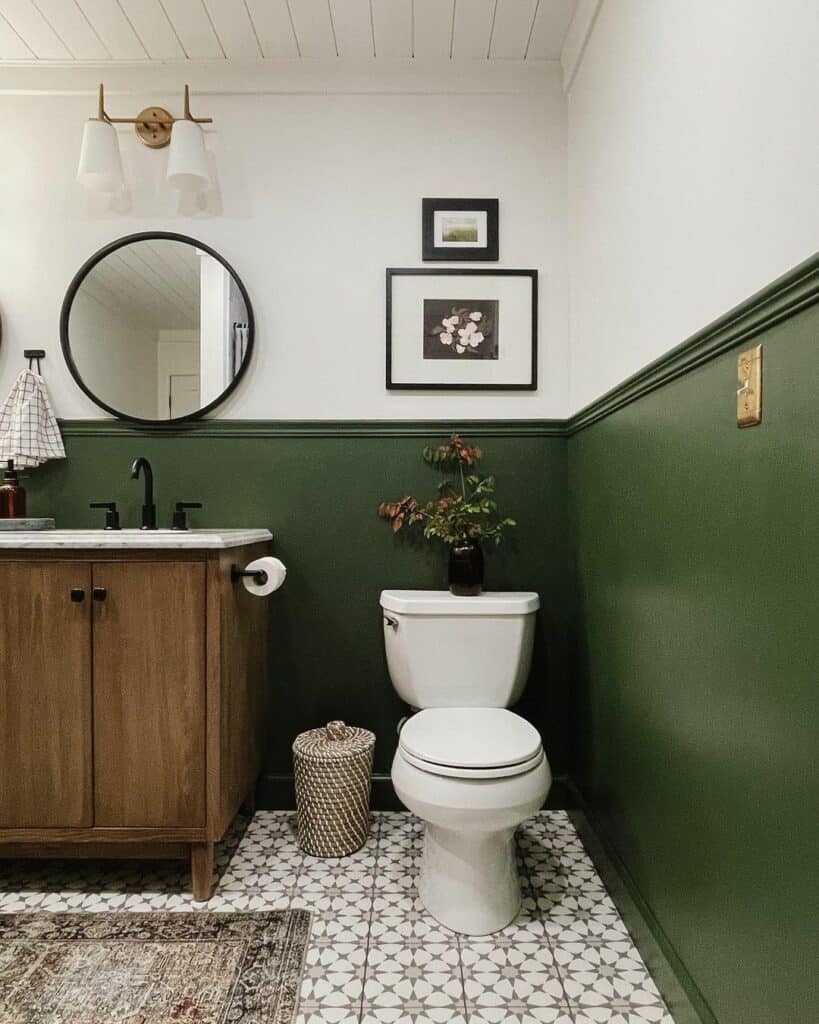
(152,125)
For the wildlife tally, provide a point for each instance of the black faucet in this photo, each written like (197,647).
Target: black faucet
(148,506)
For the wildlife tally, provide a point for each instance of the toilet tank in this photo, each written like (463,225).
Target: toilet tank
(458,652)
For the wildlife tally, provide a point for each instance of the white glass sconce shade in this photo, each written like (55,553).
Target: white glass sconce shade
(188,161)
(100,167)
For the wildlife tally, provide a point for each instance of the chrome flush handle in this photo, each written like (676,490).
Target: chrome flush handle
(391,622)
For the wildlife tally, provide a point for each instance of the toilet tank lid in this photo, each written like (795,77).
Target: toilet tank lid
(441,602)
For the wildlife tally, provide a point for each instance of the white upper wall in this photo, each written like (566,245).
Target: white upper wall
(319,190)
(693,171)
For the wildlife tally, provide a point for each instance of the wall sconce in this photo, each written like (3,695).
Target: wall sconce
(100,166)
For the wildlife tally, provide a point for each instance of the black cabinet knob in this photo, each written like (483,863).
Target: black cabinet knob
(99,593)
(77,595)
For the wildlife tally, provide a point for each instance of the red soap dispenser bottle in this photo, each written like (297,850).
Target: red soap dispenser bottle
(12,495)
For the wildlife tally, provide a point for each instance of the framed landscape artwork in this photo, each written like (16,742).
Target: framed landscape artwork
(459,229)
(461,330)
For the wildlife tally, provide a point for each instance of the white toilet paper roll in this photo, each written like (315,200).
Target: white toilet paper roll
(276,573)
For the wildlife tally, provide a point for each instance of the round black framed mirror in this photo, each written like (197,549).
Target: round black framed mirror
(157,328)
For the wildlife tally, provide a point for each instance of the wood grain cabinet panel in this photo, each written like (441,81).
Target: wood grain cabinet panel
(45,695)
(149,694)
(131,714)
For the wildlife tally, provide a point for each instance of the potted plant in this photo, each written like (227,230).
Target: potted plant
(463,516)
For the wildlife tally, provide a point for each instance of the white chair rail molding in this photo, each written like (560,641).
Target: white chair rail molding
(100,167)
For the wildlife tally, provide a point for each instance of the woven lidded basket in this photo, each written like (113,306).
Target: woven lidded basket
(333,768)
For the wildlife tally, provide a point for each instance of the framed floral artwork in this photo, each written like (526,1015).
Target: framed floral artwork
(461,330)
(459,229)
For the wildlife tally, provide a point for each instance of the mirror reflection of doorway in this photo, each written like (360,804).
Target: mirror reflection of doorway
(183,394)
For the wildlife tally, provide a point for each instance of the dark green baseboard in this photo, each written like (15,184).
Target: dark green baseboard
(277,793)
(678,988)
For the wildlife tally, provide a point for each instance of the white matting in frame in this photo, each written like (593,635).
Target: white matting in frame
(506,360)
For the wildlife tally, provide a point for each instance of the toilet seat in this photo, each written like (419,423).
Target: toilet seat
(454,772)
(471,743)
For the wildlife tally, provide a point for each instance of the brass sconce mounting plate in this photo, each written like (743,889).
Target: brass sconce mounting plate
(153,127)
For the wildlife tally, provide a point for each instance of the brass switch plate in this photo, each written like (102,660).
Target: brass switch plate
(749,387)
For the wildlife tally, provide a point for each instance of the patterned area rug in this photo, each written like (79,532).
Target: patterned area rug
(195,968)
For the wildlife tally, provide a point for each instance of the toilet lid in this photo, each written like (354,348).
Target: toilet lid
(473,773)
(471,738)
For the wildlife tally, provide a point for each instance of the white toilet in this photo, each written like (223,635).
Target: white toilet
(472,770)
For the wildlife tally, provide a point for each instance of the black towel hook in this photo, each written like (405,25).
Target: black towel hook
(34,355)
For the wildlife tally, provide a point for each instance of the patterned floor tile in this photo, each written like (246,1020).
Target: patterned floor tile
(376,956)
(333,976)
(342,928)
(608,977)
(587,927)
(414,1014)
(554,902)
(613,1015)
(405,859)
(423,976)
(399,831)
(329,1015)
(527,1015)
(362,861)
(329,900)
(392,877)
(401,918)
(527,926)
(519,978)
(344,880)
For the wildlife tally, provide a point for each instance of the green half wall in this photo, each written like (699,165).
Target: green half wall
(695,654)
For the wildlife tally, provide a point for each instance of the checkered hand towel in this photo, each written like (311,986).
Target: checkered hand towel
(28,430)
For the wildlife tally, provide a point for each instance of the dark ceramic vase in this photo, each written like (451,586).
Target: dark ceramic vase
(466,569)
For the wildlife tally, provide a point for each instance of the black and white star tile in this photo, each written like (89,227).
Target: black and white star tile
(375,955)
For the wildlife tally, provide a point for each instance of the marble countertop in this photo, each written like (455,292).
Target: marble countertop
(29,540)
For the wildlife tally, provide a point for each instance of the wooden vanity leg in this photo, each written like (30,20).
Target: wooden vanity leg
(202,871)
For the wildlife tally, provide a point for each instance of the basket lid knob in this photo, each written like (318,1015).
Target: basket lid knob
(336,730)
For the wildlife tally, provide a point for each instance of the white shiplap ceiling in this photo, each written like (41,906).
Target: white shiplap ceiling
(99,31)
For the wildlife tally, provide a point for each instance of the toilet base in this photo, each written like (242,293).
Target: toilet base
(469,880)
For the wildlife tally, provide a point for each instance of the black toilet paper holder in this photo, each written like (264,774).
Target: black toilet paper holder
(259,576)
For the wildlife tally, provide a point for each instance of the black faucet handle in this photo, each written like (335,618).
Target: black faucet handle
(111,514)
(180,521)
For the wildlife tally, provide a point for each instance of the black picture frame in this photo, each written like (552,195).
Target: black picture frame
(65,340)
(393,272)
(468,253)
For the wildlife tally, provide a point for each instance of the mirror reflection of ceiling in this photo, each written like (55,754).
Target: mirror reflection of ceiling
(153,282)
(158,329)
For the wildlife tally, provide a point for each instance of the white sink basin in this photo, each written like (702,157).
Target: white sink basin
(130,538)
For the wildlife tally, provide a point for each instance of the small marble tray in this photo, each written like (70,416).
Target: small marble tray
(26,524)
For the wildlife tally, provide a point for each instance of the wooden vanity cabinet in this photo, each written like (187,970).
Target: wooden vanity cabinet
(132,686)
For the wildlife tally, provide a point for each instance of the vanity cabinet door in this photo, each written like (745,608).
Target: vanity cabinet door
(45,695)
(149,694)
